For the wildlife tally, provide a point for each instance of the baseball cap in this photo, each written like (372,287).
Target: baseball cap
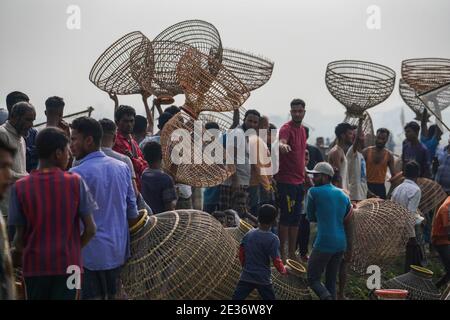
(323,168)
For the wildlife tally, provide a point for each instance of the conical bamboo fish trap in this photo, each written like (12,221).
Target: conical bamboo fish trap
(125,66)
(382,229)
(367,127)
(425,74)
(208,85)
(184,254)
(410,98)
(187,163)
(291,286)
(359,85)
(166,56)
(446,294)
(187,254)
(432,195)
(239,232)
(198,34)
(170,45)
(252,70)
(223,119)
(418,282)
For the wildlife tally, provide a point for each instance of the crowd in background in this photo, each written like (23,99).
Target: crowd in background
(71,192)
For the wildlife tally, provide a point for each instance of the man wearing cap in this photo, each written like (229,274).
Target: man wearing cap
(331,209)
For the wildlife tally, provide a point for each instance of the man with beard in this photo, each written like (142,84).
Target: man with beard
(337,155)
(110,182)
(12,134)
(237,149)
(290,177)
(378,160)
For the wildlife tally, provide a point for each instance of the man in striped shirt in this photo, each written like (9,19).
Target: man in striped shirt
(46,208)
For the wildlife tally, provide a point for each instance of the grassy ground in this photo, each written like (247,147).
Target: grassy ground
(356,285)
(356,288)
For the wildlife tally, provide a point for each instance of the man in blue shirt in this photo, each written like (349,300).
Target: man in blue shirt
(431,136)
(330,208)
(414,150)
(110,183)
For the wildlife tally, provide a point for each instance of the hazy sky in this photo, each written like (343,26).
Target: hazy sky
(42,57)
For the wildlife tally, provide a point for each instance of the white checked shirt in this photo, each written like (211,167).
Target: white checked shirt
(408,194)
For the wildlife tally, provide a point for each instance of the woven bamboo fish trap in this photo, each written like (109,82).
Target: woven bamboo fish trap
(199,34)
(412,101)
(291,286)
(184,254)
(252,70)
(166,56)
(170,45)
(223,119)
(425,74)
(359,85)
(187,254)
(446,294)
(208,85)
(196,167)
(367,127)
(418,282)
(382,229)
(432,195)
(125,66)
(239,232)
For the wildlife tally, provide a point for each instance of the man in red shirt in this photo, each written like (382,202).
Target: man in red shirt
(291,176)
(125,143)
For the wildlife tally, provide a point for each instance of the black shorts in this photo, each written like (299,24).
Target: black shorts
(379,189)
(290,197)
(102,284)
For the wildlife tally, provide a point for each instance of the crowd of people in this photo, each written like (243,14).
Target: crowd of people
(70,193)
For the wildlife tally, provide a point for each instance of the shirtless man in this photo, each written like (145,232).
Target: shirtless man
(378,160)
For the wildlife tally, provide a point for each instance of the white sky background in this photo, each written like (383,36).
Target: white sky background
(42,57)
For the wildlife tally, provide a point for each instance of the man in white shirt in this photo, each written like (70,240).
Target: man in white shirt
(408,194)
(337,155)
(12,134)
(356,167)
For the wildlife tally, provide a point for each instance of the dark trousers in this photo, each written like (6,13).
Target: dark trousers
(318,263)
(49,288)
(303,235)
(444,254)
(102,284)
(243,289)
(210,208)
(255,199)
(414,254)
(379,189)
